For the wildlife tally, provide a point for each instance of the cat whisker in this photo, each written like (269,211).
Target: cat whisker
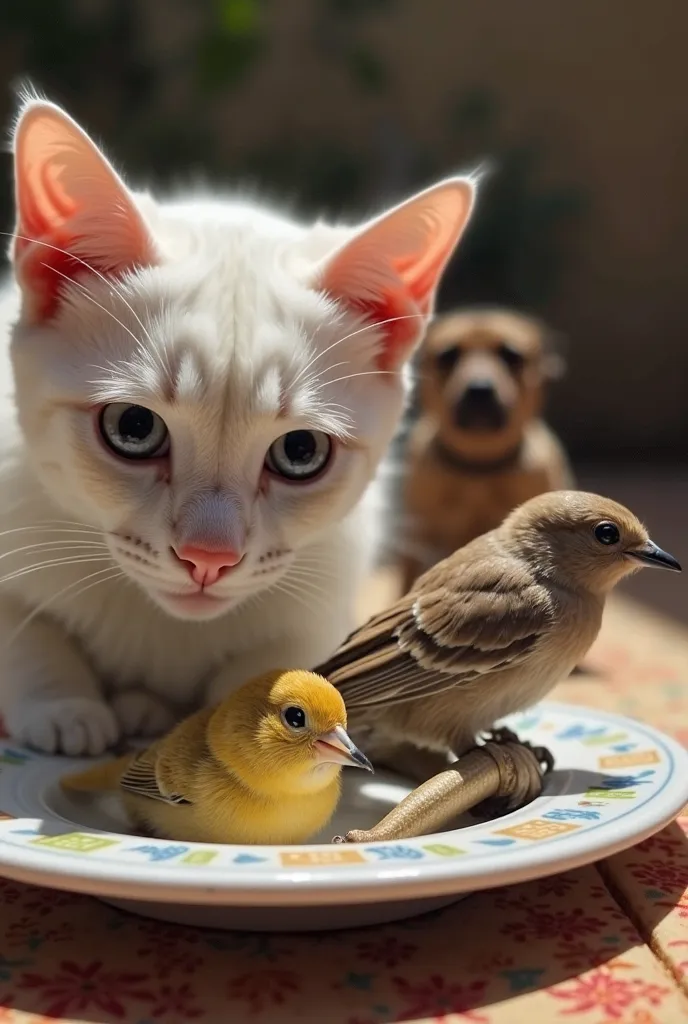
(360,330)
(316,378)
(147,353)
(85,291)
(53,563)
(309,579)
(66,522)
(110,284)
(309,590)
(56,546)
(39,609)
(361,373)
(44,530)
(295,594)
(312,558)
(304,571)
(311,573)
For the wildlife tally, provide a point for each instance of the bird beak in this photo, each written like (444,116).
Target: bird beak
(650,554)
(336,747)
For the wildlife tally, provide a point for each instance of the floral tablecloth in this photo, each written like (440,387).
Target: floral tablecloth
(603,944)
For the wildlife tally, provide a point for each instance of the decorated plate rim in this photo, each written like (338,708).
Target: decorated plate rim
(356,878)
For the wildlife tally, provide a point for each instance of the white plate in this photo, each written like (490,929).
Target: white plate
(616,781)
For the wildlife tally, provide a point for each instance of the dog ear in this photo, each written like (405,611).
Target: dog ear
(554,347)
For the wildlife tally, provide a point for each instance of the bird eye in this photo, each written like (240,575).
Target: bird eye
(511,357)
(133,431)
(299,455)
(447,360)
(294,717)
(607,533)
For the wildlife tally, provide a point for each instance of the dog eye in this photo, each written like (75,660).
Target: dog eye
(511,356)
(447,360)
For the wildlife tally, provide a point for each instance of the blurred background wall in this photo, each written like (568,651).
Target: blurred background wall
(337,105)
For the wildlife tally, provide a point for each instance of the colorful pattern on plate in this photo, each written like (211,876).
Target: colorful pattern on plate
(623,769)
(557,950)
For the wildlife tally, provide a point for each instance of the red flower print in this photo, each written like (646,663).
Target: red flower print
(159,934)
(514,899)
(166,945)
(668,843)
(31,932)
(577,956)
(681,966)
(542,923)
(670,878)
(435,997)
(261,989)
(175,1001)
(76,988)
(679,906)
(387,951)
(40,901)
(9,892)
(637,1017)
(489,964)
(602,989)
(556,885)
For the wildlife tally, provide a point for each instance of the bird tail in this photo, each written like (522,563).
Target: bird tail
(103,776)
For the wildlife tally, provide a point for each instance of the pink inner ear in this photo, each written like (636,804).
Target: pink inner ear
(400,325)
(74,214)
(390,270)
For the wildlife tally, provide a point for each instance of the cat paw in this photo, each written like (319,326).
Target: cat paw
(142,714)
(72,725)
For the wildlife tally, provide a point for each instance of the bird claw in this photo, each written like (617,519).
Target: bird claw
(530,780)
(542,755)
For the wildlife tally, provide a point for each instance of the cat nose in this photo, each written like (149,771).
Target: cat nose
(206,567)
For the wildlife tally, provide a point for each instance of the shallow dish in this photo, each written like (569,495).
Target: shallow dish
(616,782)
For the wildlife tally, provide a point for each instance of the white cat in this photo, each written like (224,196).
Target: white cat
(203,392)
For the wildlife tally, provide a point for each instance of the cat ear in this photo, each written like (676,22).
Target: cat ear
(73,211)
(390,270)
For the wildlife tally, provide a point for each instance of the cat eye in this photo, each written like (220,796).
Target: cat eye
(294,717)
(133,431)
(607,533)
(299,455)
(511,357)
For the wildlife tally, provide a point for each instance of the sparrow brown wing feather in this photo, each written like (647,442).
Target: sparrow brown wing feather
(460,622)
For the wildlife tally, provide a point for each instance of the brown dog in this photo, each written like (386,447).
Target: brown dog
(479,448)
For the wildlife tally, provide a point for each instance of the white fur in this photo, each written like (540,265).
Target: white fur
(230,342)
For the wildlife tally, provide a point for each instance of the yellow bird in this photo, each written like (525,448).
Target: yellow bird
(262,767)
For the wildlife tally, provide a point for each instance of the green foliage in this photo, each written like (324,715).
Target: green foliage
(100,61)
(231,44)
(513,251)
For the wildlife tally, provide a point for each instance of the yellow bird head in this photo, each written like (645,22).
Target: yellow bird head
(285,732)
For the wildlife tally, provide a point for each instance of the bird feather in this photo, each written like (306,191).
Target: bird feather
(452,628)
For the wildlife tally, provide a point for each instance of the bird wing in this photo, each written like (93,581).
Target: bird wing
(459,623)
(168,769)
(141,777)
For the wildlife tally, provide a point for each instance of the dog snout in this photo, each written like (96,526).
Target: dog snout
(479,407)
